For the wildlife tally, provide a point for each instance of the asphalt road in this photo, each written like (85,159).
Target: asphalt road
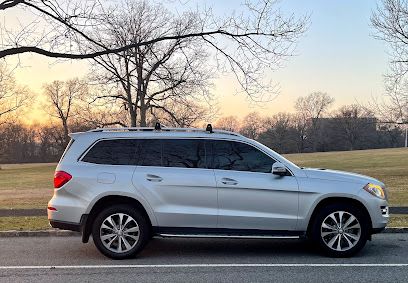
(66,259)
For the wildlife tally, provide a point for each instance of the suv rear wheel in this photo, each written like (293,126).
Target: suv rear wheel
(120,232)
(340,230)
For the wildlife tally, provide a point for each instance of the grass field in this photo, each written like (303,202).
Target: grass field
(26,185)
(30,185)
(24,223)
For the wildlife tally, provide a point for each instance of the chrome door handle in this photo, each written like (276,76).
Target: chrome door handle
(229,181)
(153,178)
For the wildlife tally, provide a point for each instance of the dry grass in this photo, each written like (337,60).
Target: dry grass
(24,223)
(26,185)
(398,221)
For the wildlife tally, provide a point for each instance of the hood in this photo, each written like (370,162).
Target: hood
(335,175)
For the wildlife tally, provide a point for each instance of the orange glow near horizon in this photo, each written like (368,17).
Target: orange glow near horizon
(44,70)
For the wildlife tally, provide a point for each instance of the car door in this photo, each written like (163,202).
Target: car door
(173,176)
(249,195)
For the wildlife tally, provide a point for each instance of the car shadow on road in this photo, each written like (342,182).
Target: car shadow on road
(199,250)
(222,248)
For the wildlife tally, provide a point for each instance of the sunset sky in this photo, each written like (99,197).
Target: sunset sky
(336,55)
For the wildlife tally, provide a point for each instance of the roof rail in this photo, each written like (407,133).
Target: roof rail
(151,129)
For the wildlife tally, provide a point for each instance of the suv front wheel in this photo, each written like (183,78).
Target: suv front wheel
(340,230)
(120,232)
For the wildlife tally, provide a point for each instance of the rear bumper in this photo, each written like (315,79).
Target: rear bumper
(77,227)
(377,230)
(65,225)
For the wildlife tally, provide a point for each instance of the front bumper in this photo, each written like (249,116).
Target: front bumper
(377,209)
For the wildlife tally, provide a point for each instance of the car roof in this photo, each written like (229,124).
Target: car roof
(146,132)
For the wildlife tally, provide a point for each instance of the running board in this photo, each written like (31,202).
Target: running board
(226,236)
(193,232)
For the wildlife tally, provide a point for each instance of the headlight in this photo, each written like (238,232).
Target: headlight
(375,190)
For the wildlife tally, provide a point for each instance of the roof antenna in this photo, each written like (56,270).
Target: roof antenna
(209,129)
(157,126)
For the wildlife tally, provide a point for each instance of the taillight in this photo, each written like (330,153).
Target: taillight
(61,178)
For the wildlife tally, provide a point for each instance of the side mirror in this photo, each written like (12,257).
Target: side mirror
(279,169)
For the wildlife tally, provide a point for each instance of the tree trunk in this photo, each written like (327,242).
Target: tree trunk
(66,130)
(143,111)
(133,114)
(141,92)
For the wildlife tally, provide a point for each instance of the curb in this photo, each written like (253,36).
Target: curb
(396,230)
(39,233)
(66,233)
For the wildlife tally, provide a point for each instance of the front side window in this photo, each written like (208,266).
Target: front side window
(229,155)
(113,152)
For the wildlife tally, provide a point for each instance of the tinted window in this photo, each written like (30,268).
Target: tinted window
(150,153)
(238,156)
(184,153)
(113,152)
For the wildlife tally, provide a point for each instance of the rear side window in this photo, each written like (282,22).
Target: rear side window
(113,152)
(150,153)
(184,153)
(228,155)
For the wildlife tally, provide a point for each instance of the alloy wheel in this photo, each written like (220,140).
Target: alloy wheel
(119,232)
(340,231)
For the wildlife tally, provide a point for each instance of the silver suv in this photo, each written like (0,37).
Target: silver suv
(124,186)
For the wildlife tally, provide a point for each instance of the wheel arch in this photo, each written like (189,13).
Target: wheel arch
(106,201)
(335,200)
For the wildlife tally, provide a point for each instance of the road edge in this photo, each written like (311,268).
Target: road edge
(66,233)
(38,233)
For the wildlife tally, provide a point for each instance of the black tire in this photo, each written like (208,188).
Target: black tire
(317,237)
(141,222)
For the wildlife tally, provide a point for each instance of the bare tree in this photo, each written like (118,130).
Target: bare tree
(314,105)
(245,44)
(393,105)
(63,98)
(353,124)
(280,133)
(106,115)
(185,114)
(228,123)
(310,109)
(159,77)
(252,125)
(12,96)
(301,124)
(391,23)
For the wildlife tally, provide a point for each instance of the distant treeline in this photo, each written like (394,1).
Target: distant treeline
(20,143)
(347,129)
(334,134)
(284,133)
